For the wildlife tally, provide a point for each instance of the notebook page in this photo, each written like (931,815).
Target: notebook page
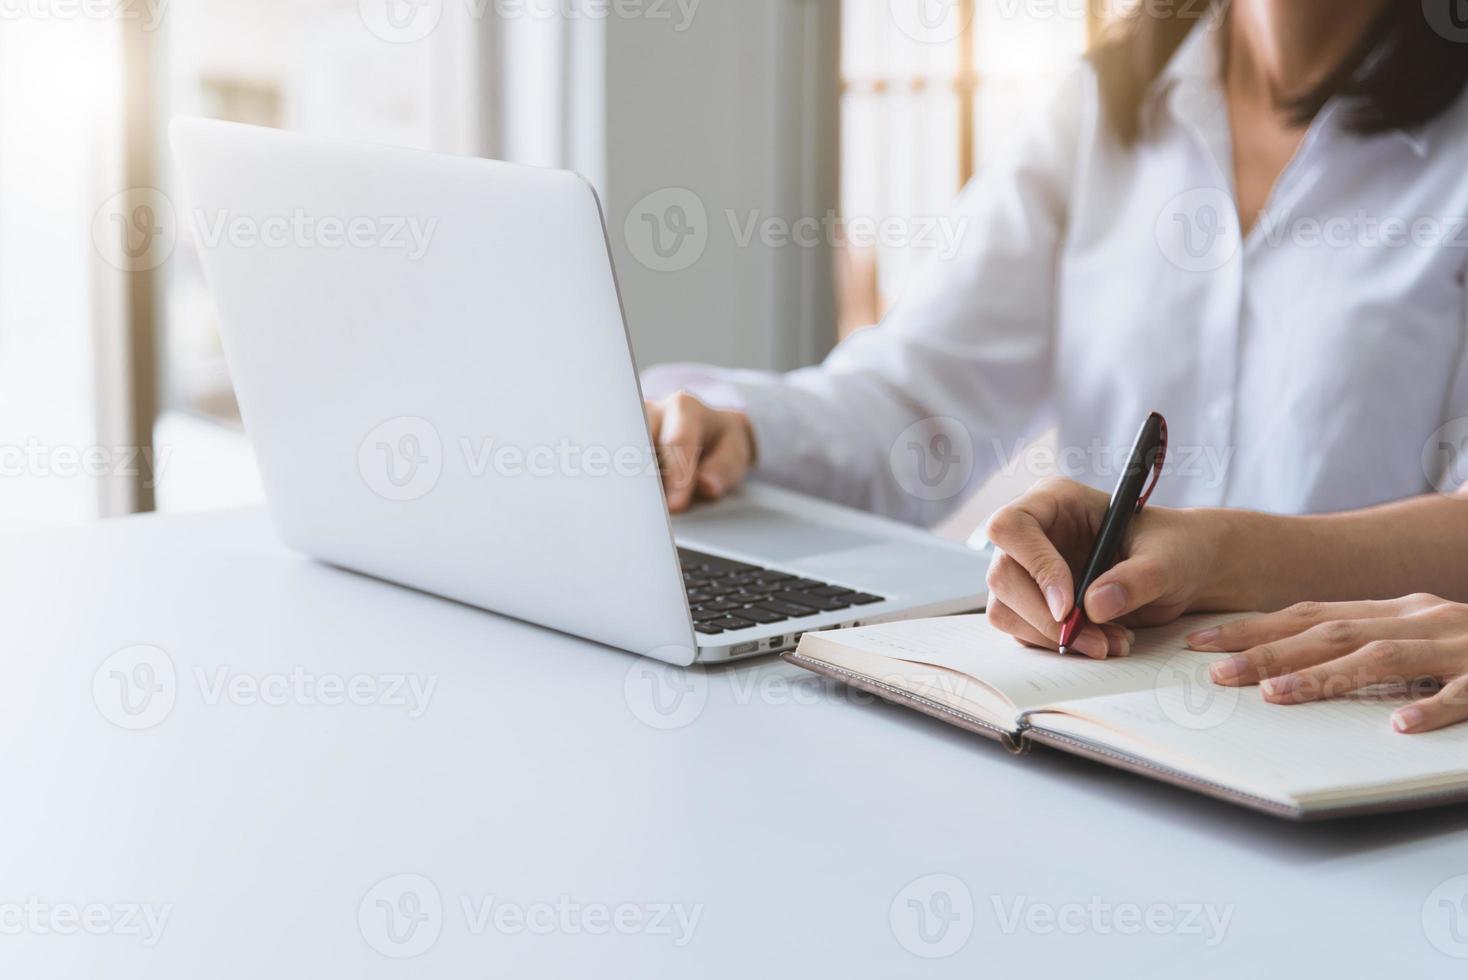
(1028,678)
(934,684)
(1343,749)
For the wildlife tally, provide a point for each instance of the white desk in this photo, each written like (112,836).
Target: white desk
(789,826)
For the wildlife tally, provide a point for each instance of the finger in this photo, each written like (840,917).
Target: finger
(1127,587)
(1446,707)
(1119,639)
(1091,642)
(654,418)
(724,462)
(1241,634)
(1019,531)
(678,447)
(1379,662)
(1006,620)
(1012,585)
(1317,645)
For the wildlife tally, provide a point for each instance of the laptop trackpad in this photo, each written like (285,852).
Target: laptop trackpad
(764,533)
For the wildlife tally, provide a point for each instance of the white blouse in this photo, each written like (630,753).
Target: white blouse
(1316,364)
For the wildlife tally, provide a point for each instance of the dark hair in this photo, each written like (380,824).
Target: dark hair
(1405,72)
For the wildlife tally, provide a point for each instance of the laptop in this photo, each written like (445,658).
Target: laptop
(432,364)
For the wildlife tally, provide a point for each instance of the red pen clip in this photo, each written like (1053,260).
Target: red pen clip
(1159,457)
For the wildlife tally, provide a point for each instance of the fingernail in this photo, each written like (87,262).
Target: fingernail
(1226,670)
(712,486)
(1407,718)
(1280,686)
(1092,645)
(1056,598)
(1204,638)
(1107,602)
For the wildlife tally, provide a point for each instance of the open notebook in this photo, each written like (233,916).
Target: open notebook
(1155,713)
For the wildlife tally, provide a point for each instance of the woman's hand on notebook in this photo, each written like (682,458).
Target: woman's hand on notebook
(1044,537)
(1315,650)
(702,452)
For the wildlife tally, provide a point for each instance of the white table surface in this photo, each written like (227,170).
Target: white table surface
(789,826)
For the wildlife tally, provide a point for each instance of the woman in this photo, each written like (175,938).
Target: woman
(1175,561)
(1251,220)
(1247,220)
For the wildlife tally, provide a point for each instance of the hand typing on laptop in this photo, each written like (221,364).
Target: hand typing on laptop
(704,452)
(1338,581)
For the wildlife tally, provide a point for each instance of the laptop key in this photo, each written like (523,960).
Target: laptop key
(708,629)
(831,591)
(774,577)
(813,601)
(731,623)
(758,590)
(863,599)
(761,616)
(787,609)
(726,565)
(726,605)
(705,615)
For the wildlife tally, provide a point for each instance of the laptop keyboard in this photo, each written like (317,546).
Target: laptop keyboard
(727,595)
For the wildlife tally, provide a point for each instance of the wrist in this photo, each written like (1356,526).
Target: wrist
(746,429)
(1226,539)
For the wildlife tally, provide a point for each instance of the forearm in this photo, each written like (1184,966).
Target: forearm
(1267,561)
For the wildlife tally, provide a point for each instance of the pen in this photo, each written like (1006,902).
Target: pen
(1127,500)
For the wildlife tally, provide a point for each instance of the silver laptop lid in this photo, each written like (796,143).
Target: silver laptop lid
(432,363)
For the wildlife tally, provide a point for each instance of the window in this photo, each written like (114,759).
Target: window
(57,110)
(928,88)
